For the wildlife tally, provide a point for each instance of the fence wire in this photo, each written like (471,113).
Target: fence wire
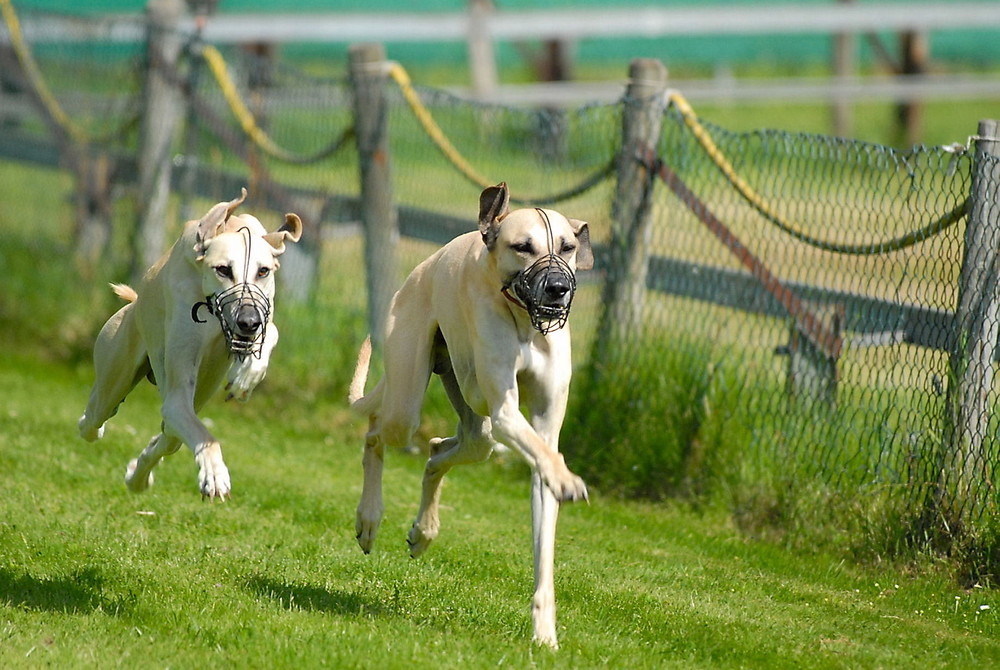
(701,395)
(877,451)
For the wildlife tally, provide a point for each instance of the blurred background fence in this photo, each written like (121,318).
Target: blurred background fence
(801,326)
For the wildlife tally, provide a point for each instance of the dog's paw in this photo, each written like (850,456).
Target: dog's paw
(366,528)
(419,538)
(244,377)
(137,484)
(213,475)
(89,432)
(568,488)
(543,616)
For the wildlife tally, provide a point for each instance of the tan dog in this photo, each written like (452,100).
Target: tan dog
(485,312)
(222,266)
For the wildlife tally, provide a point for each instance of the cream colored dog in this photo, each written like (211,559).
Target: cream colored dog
(486,313)
(222,266)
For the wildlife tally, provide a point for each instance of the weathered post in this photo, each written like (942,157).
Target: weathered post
(379,216)
(628,253)
(94,176)
(482,62)
(965,466)
(844,67)
(163,109)
(914,57)
(812,371)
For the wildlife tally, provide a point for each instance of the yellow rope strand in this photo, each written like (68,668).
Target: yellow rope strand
(31,69)
(402,79)
(437,136)
(217,65)
(758,203)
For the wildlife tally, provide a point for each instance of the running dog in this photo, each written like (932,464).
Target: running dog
(222,266)
(487,313)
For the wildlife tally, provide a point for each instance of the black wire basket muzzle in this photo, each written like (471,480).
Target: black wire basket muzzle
(546,288)
(243,311)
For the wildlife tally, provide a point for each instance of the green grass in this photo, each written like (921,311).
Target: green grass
(92,576)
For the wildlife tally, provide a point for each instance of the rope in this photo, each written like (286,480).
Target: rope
(433,130)
(759,204)
(31,69)
(217,65)
(402,79)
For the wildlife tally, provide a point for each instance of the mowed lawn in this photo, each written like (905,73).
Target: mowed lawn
(93,576)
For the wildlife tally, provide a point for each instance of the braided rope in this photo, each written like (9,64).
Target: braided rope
(433,130)
(759,204)
(217,65)
(399,75)
(37,81)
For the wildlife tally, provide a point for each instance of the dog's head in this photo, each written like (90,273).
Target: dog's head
(537,253)
(237,259)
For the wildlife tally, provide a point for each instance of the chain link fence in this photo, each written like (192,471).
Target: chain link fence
(790,346)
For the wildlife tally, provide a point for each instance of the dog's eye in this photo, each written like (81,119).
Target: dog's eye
(523,247)
(568,249)
(263,272)
(224,271)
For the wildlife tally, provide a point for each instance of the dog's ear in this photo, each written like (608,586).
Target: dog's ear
(291,230)
(210,225)
(585,252)
(233,204)
(493,204)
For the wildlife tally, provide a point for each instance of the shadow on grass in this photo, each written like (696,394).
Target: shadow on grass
(302,596)
(79,593)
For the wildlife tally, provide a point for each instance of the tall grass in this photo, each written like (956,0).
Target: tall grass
(711,426)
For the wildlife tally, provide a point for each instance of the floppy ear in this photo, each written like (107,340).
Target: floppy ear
(492,207)
(233,204)
(291,230)
(585,252)
(211,224)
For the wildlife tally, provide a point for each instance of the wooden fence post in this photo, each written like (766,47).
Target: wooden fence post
(844,67)
(163,109)
(482,61)
(965,465)
(812,372)
(379,216)
(628,250)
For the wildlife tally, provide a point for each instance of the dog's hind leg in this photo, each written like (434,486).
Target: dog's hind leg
(407,361)
(139,474)
(472,443)
(120,362)
(370,507)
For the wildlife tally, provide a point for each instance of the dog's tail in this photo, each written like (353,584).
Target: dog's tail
(361,403)
(125,292)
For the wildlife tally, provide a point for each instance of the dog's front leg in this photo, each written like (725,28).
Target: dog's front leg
(180,420)
(547,402)
(544,514)
(247,372)
(511,428)
(551,483)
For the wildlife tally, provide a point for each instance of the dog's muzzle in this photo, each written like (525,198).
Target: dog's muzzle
(243,312)
(546,289)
